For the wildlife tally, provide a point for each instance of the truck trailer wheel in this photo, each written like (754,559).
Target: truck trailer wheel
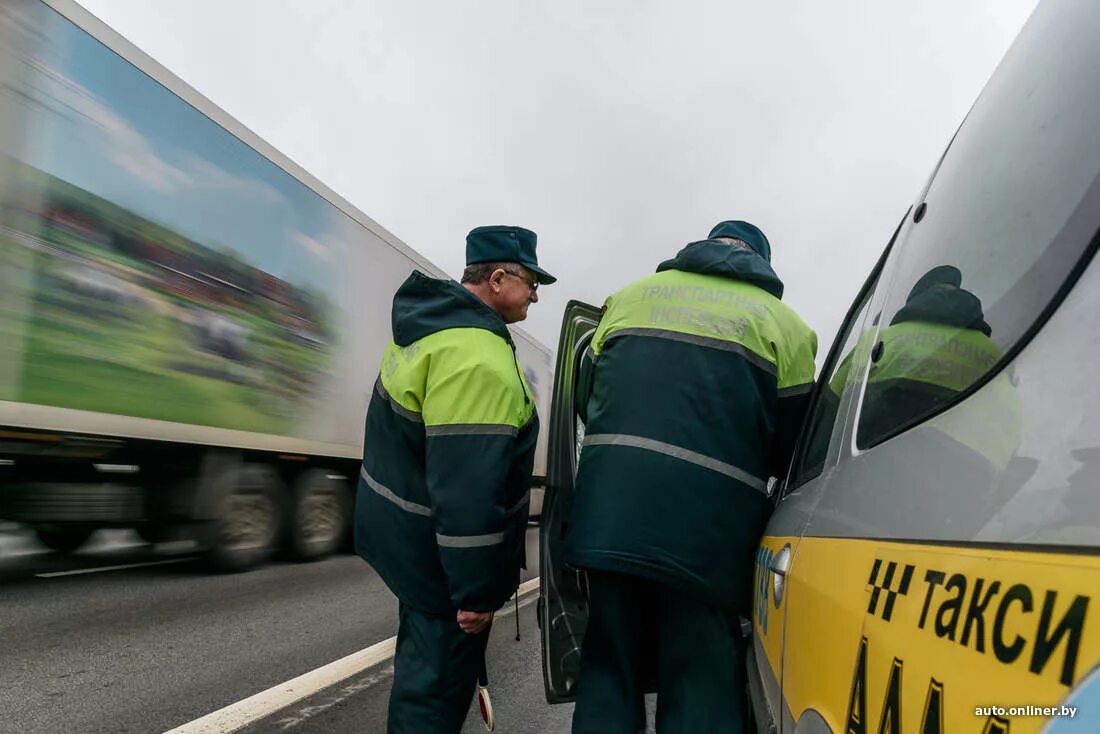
(250,514)
(319,514)
(63,539)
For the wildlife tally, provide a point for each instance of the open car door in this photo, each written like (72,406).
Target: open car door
(563,602)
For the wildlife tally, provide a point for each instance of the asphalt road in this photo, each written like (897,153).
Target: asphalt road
(149,648)
(515,683)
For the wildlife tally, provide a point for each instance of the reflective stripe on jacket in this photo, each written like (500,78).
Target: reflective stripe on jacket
(699,385)
(443,497)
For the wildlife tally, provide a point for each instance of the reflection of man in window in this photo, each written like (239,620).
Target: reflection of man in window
(936,347)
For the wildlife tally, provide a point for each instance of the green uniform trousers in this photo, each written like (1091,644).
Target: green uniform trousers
(642,633)
(435,671)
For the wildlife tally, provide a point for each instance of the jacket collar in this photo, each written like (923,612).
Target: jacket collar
(711,257)
(425,305)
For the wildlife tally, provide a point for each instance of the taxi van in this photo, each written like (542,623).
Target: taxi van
(933,560)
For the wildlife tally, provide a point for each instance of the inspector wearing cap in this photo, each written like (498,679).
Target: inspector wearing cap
(699,381)
(441,512)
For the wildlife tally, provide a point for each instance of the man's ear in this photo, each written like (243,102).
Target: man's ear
(496,280)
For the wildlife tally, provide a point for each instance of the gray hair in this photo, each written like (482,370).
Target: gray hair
(479,272)
(741,244)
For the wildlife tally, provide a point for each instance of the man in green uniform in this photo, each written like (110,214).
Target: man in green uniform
(936,346)
(441,512)
(700,379)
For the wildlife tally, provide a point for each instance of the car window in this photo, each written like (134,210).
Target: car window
(814,445)
(997,238)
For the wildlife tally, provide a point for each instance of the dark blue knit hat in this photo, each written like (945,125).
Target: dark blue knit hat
(750,234)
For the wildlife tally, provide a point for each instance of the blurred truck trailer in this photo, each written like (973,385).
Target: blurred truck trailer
(190,324)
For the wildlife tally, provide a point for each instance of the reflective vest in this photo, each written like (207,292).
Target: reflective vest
(441,512)
(924,366)
(699,385)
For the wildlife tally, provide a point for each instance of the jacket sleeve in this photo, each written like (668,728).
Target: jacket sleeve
(586,368)
(795,384)
(582,390)
(471,436)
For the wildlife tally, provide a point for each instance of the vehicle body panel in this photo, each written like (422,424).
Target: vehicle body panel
(947,553)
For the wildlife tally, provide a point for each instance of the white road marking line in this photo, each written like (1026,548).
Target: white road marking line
(510,607)
(101,569)
(527,586)
(238,715)
(246,711)
(297,717)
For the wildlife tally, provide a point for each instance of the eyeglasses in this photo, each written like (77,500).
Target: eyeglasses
(532,284)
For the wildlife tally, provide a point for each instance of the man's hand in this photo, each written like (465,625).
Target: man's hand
(474,623)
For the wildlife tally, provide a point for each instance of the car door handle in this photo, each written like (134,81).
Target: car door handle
(781,561)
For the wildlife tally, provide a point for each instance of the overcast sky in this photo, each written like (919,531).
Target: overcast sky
(618,131)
